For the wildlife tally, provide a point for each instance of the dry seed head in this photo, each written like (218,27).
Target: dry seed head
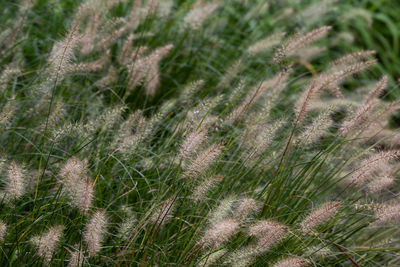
(358,13)
(316,252)
(92,66)
(246,207)
(130,132)
(316,129)
(266,43)
(259,138)
(201,190)
(363,112)
(46,243)
(61,54)
(164,8)
(56,115)
(198,14)
(309,53)
(302,106)
(219,232)
(203,161)
(333,77)
(223,210)
(256,10)
(326,80)
(383,113)
(73,170)
(292,262)
(199,114)
(153,76)
(94,233)
(126,50)
(3,230)
(8,111)
(298,41)
(146,69)
(370,165)
(192,142)
(107,120)
(6,76)
(381,183)
(319,216)
(237,91)
(110,32)
(386,213)
(268,233)
(93,14)
(352,58)
(84,195)
(76,183)
(275,85)
(15,183)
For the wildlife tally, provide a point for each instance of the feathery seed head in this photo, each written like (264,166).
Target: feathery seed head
(47,242)
(6,76)
(8,112)
(387,212)
(203,161)
(192,142)
(370,165)
(76,183)
(94,233)
(379,184)
(365,109)
(298,41)
(326,81)
(219,232)
(352,58)
(319,216)
(246,207)
(146,68)
(15,183)
(198,14)
(266,43)
(223,210)
(292,262)
(316,129)
(201,190)
(3,230)
(268,233)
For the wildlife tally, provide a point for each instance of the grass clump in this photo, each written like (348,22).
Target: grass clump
(191,133)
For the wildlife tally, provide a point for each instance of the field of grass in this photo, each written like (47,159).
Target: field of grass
(199,133)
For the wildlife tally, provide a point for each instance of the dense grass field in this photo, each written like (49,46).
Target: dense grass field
(199,133)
